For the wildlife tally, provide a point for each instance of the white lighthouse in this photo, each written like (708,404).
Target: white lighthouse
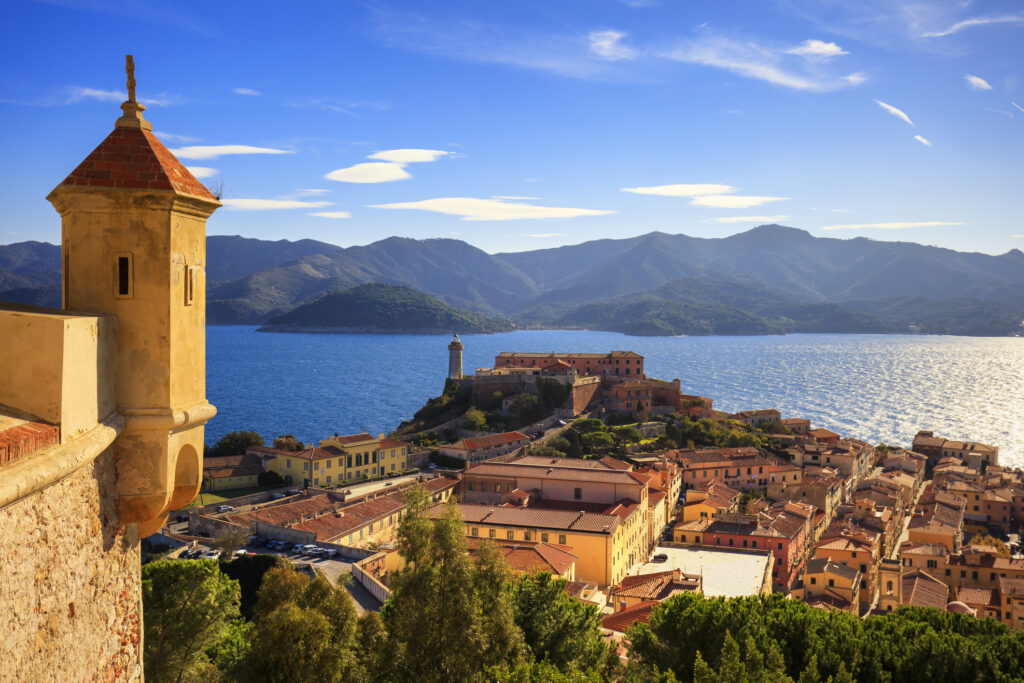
(455,358)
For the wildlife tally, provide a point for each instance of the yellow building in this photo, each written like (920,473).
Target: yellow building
(338,460)
(605,544)
(231,472)
(102,407)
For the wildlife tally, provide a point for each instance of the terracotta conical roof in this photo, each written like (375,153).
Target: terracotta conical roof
(133,158)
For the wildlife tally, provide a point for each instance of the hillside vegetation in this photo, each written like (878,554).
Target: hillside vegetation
(384,309)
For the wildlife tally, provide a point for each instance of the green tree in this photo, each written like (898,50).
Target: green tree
(230,542)
(270,480)
(558,628)
(526,407)
(305,630)
(626,434)
(287,442)
(234,443)
(447,619)
(586,425)
(475,419)
(594,441)
(187,608)
(559,443)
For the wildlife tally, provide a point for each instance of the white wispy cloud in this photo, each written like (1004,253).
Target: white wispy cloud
(475,209)
(734,201)
(389,167)
(202,171)
(750,60)
(892,226)
(751,219)
(408,156)
(608,45)
(215,151)
(249,204)
(18,233)
(1007,114)
(247,91)
(898,113)
(817,50)
(977,21)
(977,82)
(544,234)
(78,93)
(370,172)
(922,140)
(685,190)
(1019,108)
(172,137)
(332,214)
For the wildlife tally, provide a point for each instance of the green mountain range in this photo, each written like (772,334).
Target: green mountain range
(382,309)
(767,280)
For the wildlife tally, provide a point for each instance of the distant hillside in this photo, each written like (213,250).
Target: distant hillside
(231,256)
(382,309)
(30,273)
(768,279)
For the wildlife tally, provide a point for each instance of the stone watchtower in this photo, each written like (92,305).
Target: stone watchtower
(133,241)
(455,358)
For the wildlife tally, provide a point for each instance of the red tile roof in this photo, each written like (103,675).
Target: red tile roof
(476,443)
(25,438)
(924,590)
(621,621)
(134,159)
(352,438)
(537,518)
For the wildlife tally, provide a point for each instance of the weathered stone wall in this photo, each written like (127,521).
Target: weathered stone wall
(70,584)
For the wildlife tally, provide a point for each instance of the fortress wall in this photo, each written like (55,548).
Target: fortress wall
(70,588)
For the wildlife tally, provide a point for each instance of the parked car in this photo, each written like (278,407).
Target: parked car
(211,555)
(297,548)
(389,483)
(277,496)
(241,551)
(330,552)
(225,508)
(660,557)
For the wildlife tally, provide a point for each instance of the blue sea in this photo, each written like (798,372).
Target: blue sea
(873,387)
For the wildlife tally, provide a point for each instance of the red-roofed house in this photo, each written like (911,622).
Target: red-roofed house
(479,448)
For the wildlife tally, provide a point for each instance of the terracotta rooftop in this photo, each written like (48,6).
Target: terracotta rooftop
(490,441)
(921,589)
(975,595)
(517,468)
(134,159)
(531,557)
(621,621)
(19,437)
(587,522)
(657,586)
(552,354)
(353,438)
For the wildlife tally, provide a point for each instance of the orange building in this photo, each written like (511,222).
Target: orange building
(618,363)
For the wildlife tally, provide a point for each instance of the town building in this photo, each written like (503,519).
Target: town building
(797,425)
(756,418)
(475,449)
(638,589)
(531,557)
(709,500)
(741,468)
(232,472)
(853,458)
(976,455)
(338,460)
(830,584)
(617,363)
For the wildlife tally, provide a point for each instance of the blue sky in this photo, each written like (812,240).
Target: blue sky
(523,125)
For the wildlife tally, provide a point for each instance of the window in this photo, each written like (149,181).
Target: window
(744,543)
(561,538)
(497,488)
(491,533)
(577,494)
(510,488)
(190,285)
(350,461)
(730,541)
(288,463)
(328,479)
(124,282)
(814,581)
(544,538)
(780,546)
(471,486)
(511,535)
(359,459)
(474,531)
(527,535)
(831,582)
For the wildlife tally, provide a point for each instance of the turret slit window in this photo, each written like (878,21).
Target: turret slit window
(124,276)
(190,285)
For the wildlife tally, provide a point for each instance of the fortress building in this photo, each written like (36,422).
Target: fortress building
(455,358)
(102,408)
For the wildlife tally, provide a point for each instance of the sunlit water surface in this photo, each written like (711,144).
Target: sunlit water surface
(873,387)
